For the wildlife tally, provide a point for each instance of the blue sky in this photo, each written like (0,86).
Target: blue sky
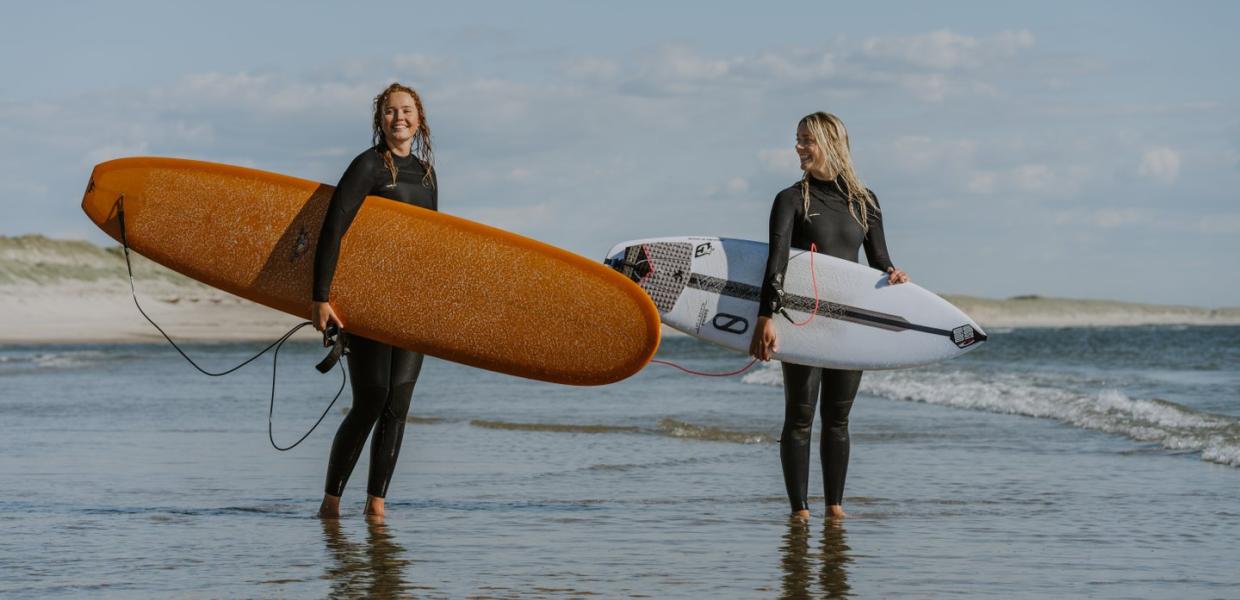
(1062,148)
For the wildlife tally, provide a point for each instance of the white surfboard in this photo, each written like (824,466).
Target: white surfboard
(843,315)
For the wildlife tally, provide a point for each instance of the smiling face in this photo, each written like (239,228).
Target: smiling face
(813,158)
(400,121)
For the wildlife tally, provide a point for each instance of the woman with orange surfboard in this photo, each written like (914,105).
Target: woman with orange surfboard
(399,166)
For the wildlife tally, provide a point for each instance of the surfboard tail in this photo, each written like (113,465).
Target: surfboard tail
(967,336)
(661,269)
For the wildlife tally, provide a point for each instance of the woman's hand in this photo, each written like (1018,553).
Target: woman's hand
(895,276)
(321,314)
(765,340)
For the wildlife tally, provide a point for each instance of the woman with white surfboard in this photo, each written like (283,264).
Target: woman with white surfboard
(831,212)
(399,166)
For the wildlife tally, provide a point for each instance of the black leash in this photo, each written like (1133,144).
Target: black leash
(338,341)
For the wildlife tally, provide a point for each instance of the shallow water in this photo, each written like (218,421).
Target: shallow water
(1048,463)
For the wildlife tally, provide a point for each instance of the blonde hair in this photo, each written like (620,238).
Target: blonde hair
(421,138)
(830,135)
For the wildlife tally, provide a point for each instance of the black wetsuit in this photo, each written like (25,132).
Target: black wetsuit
(835,232)
(383,376)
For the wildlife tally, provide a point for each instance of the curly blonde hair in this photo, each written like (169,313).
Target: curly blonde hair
(421,138)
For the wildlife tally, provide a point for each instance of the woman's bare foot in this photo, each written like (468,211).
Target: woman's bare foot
(330,508)
(374,508)
(800,515)
(835,511)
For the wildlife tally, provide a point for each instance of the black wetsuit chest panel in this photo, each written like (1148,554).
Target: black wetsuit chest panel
(410,186)
(831,229)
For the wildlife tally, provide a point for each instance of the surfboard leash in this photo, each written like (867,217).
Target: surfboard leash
(813,248)
(703,374)
(336,339)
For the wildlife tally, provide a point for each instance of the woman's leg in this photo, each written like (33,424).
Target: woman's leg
(800,395)
(390,429)
(369,365)
(838,390)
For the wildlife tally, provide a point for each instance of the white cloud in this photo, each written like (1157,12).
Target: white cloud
(930,67)
(260,94)
(732,187)
(1117,218)
(1162,164)
(336,152)
(1107,218)
(1110,218)
(780,161)
(593,69)
(512,218)
(944,50)
(813,65)
(983,182)
(23,189)
(29,112)
(109,152)
(919,153)
(1048,181)
(931,87)
(418,64)
(1032,177)
(681,64)
(1220,224)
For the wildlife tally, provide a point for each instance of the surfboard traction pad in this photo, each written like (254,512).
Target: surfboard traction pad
(662,269)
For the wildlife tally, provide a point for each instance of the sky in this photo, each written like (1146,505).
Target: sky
(1069,149)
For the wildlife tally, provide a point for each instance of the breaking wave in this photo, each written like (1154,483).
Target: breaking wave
(1173,426)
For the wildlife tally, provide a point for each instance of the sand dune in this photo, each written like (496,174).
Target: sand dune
(54,291)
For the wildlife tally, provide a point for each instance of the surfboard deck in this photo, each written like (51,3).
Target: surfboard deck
(709,288)
(410,277)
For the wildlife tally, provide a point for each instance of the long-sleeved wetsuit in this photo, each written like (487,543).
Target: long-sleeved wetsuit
(382,376)
(834,231)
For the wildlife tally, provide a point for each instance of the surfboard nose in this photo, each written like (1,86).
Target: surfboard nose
(100,205)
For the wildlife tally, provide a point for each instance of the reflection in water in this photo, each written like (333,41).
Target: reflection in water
(795,560)
(833,576)
(370,570)
(798,563)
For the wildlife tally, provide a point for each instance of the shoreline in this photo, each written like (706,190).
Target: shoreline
(74,292)
(104,313)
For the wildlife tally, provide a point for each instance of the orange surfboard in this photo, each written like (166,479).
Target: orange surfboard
(407,276)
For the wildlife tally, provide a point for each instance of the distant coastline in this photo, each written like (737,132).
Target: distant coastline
(70,291)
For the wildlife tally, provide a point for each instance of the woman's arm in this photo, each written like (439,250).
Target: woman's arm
(876,247)
(434,190)
(765,340)
(345,202)
(783,215)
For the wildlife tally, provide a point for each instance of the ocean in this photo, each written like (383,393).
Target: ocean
(1049,463)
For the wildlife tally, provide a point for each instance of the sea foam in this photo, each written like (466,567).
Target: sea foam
(1173,426)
